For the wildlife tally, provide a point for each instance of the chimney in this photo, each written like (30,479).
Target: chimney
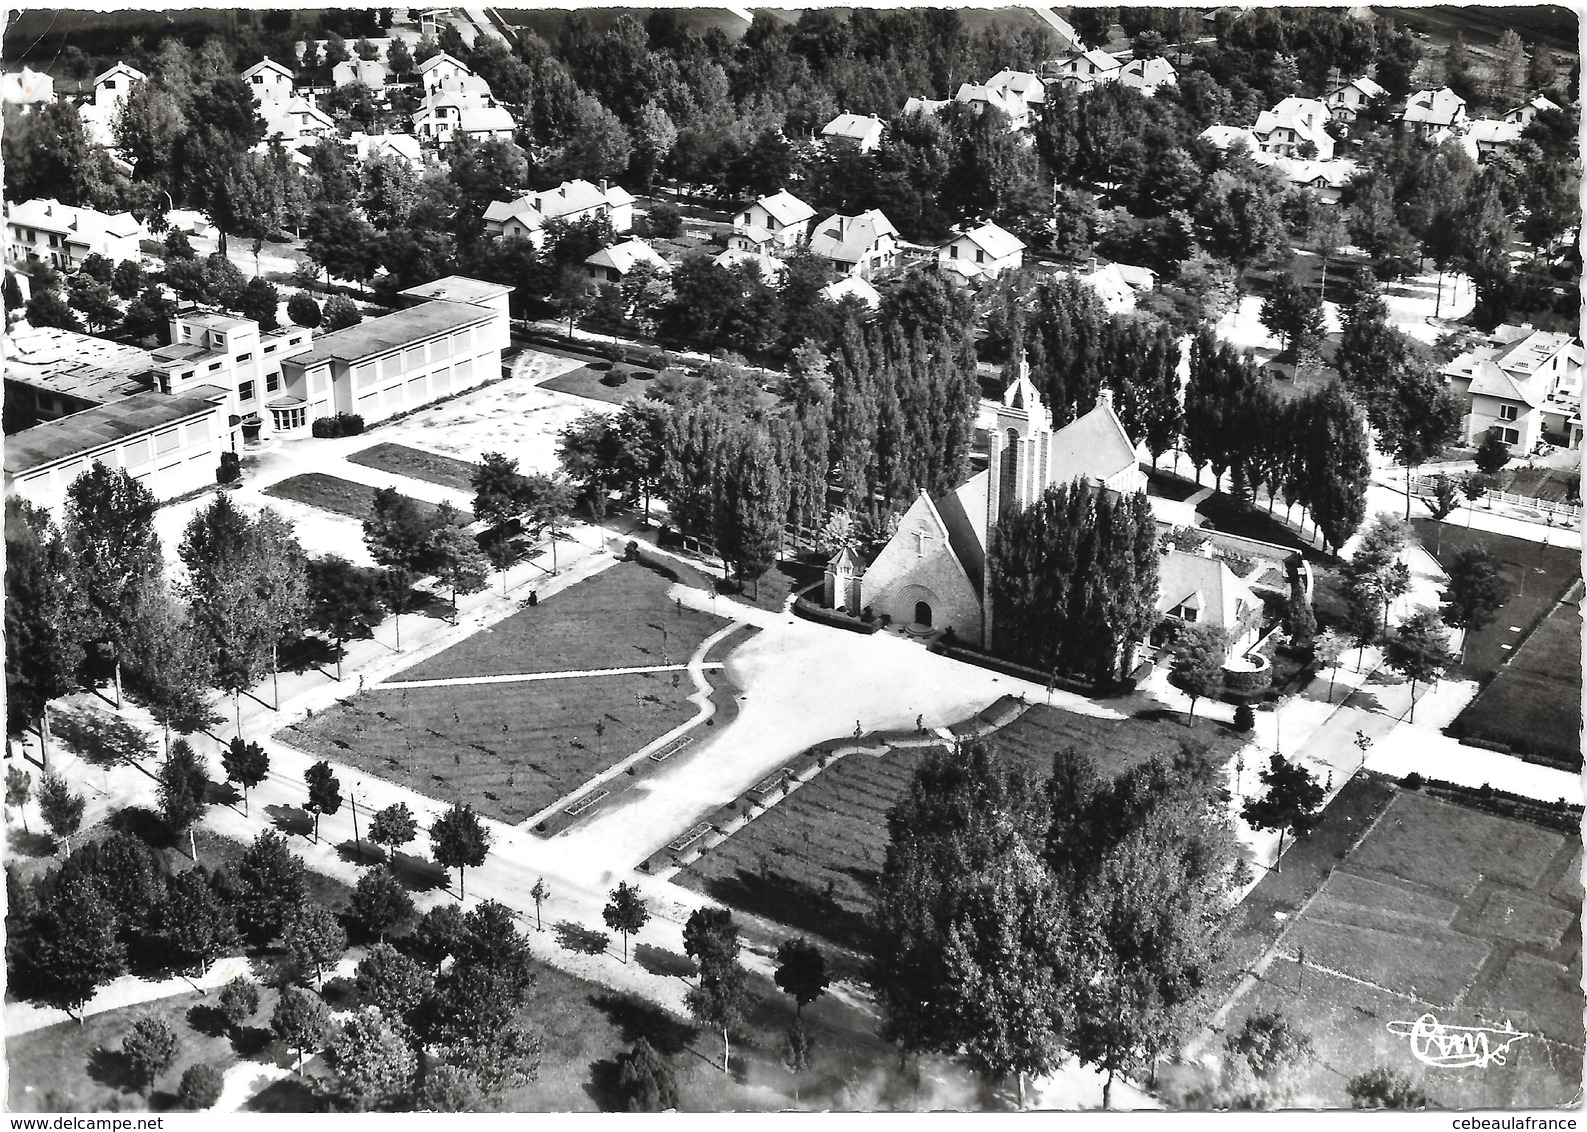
(1105,398)
(603,186)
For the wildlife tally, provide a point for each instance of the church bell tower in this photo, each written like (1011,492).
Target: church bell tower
(1019,458)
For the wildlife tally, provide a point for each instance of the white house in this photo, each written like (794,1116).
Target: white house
(371,72)
(852,287)
(441,73)
(781,219)
(864,245)
(445,115)
(1525,113)
(1493,136)
(769,267)
(612,265)
(110,94)
(1435,114)
(270,83)
(980,253)
(299,119)
(26,87)
(926,106)
(862,130)
(1524,382)
(1027,86)
(982,96)
(570,201)
(1146,75)
(1291,126)
(63,236)
(1347,99)
(1198,589)
(1084,67)
(371,147)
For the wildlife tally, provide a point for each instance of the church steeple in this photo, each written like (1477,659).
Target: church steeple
(1019,455)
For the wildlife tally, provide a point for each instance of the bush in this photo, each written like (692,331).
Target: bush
(1413,781)
(664,220)
(201,1087)
(1241,682)
(1244,717)
(352,423)
(323,428)
(630,551)
(342,424)
(303,310)
(238,1001)
(230,468)
(341,312)
(615,378)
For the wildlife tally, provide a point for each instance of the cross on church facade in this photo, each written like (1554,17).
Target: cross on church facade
(921,535)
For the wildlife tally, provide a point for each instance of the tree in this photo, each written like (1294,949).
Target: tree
(342,600)
(1291,803)
(301,1020)
(720,999)
(261,302)
(1473,485)
(1294,313)
(498,489)
(272,887)
(1262,1060)
(625,912)
(238,1001)
(801,972)
(539,894)
(393,827)
(449,1088)
(575,294)
(224,576)
(1419,650)
(1446,497)
(325,793)
(149,1048)
(1474,593)
(110,531)
(1493,453)
(380,901)
(796,1052)
(440,932)
(372,1058)
(398,533)
(201,1087)
(61,809)
(710,935)
(73,946)
(43,618)
(646,1080)
(388,980)
(197,923)
(47,308)
(314,940)
(1199,652)
(398,57)
(1384,1088)
(246,764)
(19,786)
(340,312)
(1417,420)
(460,564)
(183,786)
(459,840)
(1326,649)
(1375,575)
(173,669)
(303,310)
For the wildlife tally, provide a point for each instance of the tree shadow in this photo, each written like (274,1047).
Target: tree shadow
(291,819)
(603,1087)
(100,738)
(660,961)
(358,852)
(635,1018)
(109,1067)
(305,653)
(576,937)
(208,1020)
(222,794)
(417,874)
(144,824)
(251,1041)
(31,844)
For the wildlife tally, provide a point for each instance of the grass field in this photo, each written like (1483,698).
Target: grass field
(614,620)
(586,382)
(400,460)
(1441,909)
(811,861)
(1533,704)
(331,493)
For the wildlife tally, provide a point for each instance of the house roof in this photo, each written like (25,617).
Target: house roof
(1092,447)
(78,365)
(1026,85)
(1099,60)
(847,562)
(1531,352)
(573,197)
(1225,136)
(847,239)
(28,85)
(435,61)
(1366,86)
(266,64)
(862,128)
(925,105)
(770,267)
(1153,72)
(1434,107)
(458,289)
(1204,584)
(120,69)
(625,256)
(371,146)
(1011,105)
(1494,131)
(53,216)
(995,241)
(73,435)
(787,208)
(375,336)
(370,72)
(1306,116)
(852,287)
(1488,380)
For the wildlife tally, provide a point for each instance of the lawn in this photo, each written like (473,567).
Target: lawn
(811,861)
(415,463)
(1441,908)
(586,382)
(1541,483)
(331,493)
(620,618)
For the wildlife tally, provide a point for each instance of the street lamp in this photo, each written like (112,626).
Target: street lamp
(358,845)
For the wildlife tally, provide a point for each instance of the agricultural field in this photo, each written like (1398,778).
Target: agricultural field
(415,463)
(333,494)
(811,860)
(1440,909)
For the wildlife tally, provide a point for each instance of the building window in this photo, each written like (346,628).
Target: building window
(213,366)
(272,382)
(980,256)
(245,391)
(1509,412)
(1509,436)
(270,349)
(286,419)
(953,251)
(248,357)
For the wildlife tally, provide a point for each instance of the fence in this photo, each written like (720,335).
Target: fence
(1570,512)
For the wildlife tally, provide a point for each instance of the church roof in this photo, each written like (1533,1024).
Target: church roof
(1093,447)
(963,515)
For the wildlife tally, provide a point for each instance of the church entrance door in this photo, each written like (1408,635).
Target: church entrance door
(923,614)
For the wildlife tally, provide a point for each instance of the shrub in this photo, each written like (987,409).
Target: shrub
(341,312)
(230,468)
(615,378)
(352,424)
(1413,781)
(201,1087)
(1244,717)
(323,428)
(238,1001)
(303,310)
(630,551)
(664,220)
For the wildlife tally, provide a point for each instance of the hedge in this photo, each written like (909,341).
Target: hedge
(1561,815)
(831,617)
(1020,671)
(342,424)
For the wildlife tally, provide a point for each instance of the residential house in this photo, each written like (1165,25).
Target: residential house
(445,115)
(1524,114)
(442,73)
(26,87)
(861,130)
(1085,67)
(270,83)
(1118,285)
(1294,125)
(1493,136)
(1326,179)
(99,113)
(372,147)
(929,107)
(980,253)
(932,574)
(1435,115)
(1026,86)
(981,97)
(63,235)
(299,119)
(231,362)
(570,201)
(171,445)
(769,267)
(400,361)
(1347,100)
(781,218)
(864,245)
(1195,588)
(372,73)
(1226,137)
(852,287)
(1524,382)
(1147,75)
(612,265)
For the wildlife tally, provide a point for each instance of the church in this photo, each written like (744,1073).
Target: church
(932,574)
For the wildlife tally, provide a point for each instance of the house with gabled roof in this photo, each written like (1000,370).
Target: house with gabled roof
(861,130)
(852,287)
(447,114)
(1147,75)
(980,253)
(983,97)
(26,87)
(929,107)
(865,245)
(1084,67)
(612,265)
(269,82)
(1292,125)
(372,73)
(932,573)
(1027,86)
(1435,114)
(1347,99)
(442,73)
(767,266)
(1524,382)
(779,218)
(1523,114)
(1198,589)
